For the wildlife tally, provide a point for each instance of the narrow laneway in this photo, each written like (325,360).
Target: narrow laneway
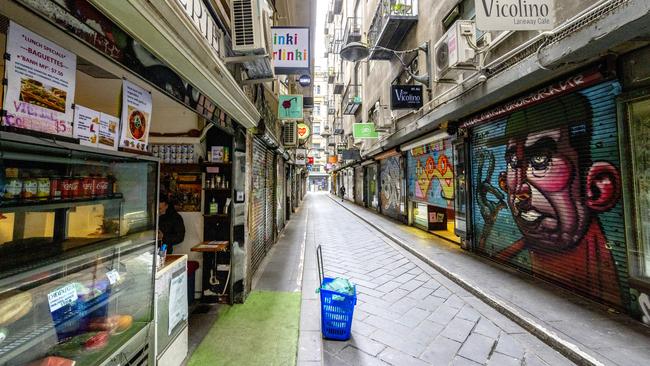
(407,313)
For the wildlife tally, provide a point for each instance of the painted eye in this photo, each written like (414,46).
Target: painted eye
(539,162)
(513,162)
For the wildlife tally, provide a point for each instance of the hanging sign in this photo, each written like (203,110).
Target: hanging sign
(310,160)
(364,131)
(515,15)
(86,125)
(290,50)
(303,131)
(301,157)
(290,107)
(108,128)
(136,116)
(406,97)
(40,83)
(304,80)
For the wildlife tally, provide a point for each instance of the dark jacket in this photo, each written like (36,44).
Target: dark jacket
(172,227)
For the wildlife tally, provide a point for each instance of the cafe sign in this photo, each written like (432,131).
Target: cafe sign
(203,22)
(290,107)
(364,131)
(406,97)
(303,131)
(502,15)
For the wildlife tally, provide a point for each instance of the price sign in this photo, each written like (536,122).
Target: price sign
(113,276)
(61,297)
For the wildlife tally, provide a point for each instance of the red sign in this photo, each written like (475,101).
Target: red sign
(310,160)
(554,90)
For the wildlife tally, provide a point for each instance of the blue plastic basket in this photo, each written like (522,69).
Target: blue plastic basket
(336,312)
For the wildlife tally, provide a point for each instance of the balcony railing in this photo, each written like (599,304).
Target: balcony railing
(352,30)
(393,19)
(352,99)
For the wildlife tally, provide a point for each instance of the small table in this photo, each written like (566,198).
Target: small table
(214,274)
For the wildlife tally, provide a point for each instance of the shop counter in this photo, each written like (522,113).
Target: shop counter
(172,311)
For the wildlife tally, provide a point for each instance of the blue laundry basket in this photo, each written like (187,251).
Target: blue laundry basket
(337,308)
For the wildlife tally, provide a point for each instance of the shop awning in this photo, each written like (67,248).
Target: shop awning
(164,28)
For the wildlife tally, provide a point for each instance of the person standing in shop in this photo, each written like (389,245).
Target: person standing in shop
(171,228)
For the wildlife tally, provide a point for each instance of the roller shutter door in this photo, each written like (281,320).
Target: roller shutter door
(269,226)
(280,194)
(358,185)
(390,195)
(546,188)
(258,204)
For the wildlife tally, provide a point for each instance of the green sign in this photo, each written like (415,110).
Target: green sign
(364,131)
(290,107)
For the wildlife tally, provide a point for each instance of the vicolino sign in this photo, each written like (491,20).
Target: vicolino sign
(406,97)
(515,14)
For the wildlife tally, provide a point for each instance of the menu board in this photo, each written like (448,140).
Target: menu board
(136,117)
(108,128)
(86,125)
(40,83)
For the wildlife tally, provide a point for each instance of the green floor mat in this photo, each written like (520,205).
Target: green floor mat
(262,331)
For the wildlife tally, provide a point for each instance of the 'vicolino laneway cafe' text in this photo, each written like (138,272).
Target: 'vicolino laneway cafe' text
(291,50)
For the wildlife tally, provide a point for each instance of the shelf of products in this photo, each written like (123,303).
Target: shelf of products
(53,204)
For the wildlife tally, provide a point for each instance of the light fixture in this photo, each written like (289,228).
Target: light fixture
(357,51)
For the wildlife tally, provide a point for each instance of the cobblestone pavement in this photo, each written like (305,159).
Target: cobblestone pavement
(407,313)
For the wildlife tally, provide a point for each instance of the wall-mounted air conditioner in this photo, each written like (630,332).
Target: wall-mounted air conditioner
(453,53)
(289,134)
(249,26)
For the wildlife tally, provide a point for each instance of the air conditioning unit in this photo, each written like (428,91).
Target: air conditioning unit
(350,142)
(383,118)
(453,53)
(289,134)
(250,28)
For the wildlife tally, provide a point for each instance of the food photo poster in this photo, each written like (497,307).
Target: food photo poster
(136,117)
(86,125)
(108,129)
(40,88)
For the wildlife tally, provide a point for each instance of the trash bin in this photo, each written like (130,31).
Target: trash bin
(337,308)
(192,266)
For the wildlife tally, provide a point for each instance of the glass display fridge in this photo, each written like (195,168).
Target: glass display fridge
(77,253)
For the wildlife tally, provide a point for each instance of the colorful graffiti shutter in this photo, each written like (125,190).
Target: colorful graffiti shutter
(358,185)
(546,186)
(431,174)
(390,196)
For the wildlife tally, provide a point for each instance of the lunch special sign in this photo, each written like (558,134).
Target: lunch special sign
(40,84)
(136,117)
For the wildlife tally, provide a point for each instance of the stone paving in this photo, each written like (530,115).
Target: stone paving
(407,313)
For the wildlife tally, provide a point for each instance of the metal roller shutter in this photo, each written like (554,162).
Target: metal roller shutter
(358,185)
(280,193)
(430,174)
(258,204)
(546,183)
(269,236)
(390,197)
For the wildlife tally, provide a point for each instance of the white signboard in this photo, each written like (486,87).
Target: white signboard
(290,50)
(301,157)
(61,297)
(40,83)
(86,125)
(136,117)
(515,14)
(177,300)
(108,128)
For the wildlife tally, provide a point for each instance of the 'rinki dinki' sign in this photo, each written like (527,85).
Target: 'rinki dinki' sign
(290,50)
(515,14)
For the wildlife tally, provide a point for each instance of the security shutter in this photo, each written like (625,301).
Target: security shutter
(269,226)
(358,185)
(371,186)
(280,196)
(430,174)
(258,202)
(390,197)
(556,212)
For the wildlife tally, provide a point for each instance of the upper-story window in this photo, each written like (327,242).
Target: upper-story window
(316,129)
(317,89)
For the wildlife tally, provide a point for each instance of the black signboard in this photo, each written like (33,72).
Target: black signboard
(351,154)
(406,97)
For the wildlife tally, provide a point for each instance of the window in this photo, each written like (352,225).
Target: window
(316,129)
(317,109)
(317,89)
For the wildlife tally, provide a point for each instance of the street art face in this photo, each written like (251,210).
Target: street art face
(433,172)
(391,185)
(545,177)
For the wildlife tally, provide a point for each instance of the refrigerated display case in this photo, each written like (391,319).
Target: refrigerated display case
(77,253)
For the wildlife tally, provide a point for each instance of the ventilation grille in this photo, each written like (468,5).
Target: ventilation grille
(289,135)
(140,358)
(595,14)
(244,33)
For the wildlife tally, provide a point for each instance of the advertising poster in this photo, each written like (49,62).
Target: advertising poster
(290,107)
(136,117)
(40,84)
(301,156)
(108,128)
(86,125)
(290,50)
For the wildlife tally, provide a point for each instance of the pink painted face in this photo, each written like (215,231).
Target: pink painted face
(544,189)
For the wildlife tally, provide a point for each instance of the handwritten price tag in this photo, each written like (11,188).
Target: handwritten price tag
(113,276)
(62,296)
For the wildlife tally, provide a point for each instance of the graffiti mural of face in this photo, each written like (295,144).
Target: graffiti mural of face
(550,202)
